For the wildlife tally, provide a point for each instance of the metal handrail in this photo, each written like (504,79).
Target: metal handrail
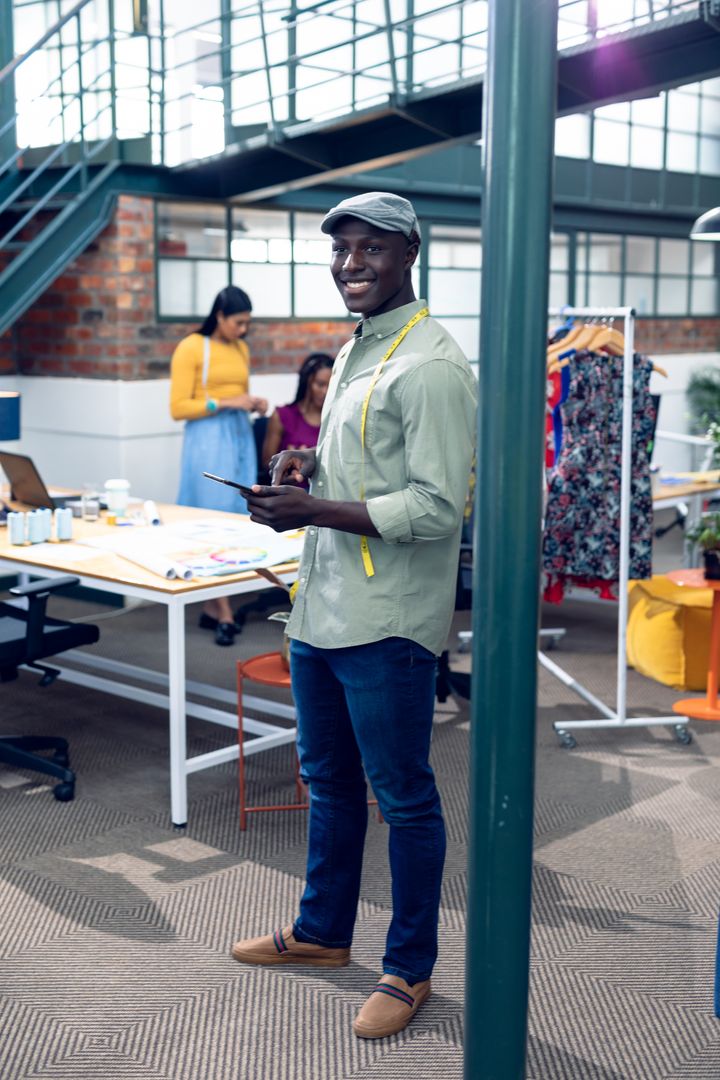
(71,112)
(54,29)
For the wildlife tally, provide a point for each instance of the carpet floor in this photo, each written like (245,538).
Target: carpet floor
(115,928)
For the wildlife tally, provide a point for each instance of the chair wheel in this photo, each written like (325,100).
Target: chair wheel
(682,734)
(567,741)
(64,792)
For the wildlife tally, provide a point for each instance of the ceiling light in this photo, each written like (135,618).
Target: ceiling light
(707,226)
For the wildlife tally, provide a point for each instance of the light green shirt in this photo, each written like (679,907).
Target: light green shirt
(419,439)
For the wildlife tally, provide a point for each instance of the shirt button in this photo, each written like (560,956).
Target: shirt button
(378,336)
(321,483)
(343,384)
(302,580)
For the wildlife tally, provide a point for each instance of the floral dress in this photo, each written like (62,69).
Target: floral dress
(581,544)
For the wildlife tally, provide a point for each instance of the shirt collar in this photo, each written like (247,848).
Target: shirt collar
(390,322)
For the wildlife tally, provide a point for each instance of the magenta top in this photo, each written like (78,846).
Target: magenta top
(296,430)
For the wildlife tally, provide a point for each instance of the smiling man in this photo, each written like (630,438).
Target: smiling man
(389,479)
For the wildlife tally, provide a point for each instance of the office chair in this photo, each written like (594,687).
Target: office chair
(26,636)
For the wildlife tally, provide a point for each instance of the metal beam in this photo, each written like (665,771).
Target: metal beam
(636,63)
(519,122)
(8,142)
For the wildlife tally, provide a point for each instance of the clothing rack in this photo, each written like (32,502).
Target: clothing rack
(617,717)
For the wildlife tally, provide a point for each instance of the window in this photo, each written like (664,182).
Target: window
(677,129)
(656,276)
(280,258)
(260,250)
(454,257)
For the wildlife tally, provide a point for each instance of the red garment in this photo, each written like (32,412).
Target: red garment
(554,591)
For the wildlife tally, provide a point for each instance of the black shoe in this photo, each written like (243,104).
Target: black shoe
(206,622)
(225,633)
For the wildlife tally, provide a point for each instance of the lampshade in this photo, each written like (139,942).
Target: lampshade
(707,226)
(9,415)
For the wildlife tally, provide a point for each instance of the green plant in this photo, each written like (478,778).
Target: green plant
(706,534)
(703,396)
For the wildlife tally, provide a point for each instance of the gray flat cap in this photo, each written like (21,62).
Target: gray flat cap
(382,209)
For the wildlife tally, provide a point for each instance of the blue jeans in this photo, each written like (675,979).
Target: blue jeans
(370,705)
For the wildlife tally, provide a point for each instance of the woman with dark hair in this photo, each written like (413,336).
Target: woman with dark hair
(297,426)
(209,377)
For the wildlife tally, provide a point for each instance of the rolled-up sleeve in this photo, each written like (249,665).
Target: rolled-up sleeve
(439,400)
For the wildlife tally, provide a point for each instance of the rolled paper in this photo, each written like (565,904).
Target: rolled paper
(156,564)
(183,572)
(151,513)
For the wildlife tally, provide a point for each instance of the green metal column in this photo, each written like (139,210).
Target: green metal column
(7,86)
(226,72)
(518,160)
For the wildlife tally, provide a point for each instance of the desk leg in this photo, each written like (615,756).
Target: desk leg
(714,658)
(176,688)
(691,554)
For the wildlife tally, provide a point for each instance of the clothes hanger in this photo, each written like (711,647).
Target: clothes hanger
(564,343)
(609,340)
(580,341)
(612,341)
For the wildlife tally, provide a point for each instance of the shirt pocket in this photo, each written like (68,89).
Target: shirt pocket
(343,437)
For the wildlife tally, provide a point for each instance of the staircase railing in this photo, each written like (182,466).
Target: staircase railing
(63,137)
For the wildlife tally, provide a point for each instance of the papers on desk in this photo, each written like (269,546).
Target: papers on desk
(710,477)
(68,552)
(200,549)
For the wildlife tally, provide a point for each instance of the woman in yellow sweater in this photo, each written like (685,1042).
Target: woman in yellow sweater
(209,377)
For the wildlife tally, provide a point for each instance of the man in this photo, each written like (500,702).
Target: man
(389,479)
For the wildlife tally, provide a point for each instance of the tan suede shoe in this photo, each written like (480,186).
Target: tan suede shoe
(280,947)
(390,1007)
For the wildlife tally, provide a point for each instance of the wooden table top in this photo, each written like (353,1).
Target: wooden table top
(72,557)
(698,483)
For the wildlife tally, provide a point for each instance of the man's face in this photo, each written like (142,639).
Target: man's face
(371,266)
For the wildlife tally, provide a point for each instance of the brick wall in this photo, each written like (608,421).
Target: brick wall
(7,354)
(656,336)
(98,319)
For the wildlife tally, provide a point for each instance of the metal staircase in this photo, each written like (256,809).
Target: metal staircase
(290,95)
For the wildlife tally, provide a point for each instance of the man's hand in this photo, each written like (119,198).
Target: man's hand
(287,507)
(283,507)
(297,465)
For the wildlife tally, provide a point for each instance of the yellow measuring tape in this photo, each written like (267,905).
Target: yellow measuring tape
(364,546)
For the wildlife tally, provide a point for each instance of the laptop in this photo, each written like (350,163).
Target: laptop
(26,485)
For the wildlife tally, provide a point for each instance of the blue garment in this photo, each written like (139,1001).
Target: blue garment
(373,705)
(222,444)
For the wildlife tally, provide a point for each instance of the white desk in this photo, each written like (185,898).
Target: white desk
(113,574)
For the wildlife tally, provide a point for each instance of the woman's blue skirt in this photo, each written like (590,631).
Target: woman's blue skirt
(222,444)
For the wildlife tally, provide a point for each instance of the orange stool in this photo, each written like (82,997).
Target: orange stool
(707,708)
(269,669)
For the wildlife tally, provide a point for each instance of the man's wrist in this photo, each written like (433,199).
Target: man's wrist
(321,512)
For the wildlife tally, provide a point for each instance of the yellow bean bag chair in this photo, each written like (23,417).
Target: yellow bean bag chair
(668,632)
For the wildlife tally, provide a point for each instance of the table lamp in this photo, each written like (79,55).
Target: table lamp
(9,427)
